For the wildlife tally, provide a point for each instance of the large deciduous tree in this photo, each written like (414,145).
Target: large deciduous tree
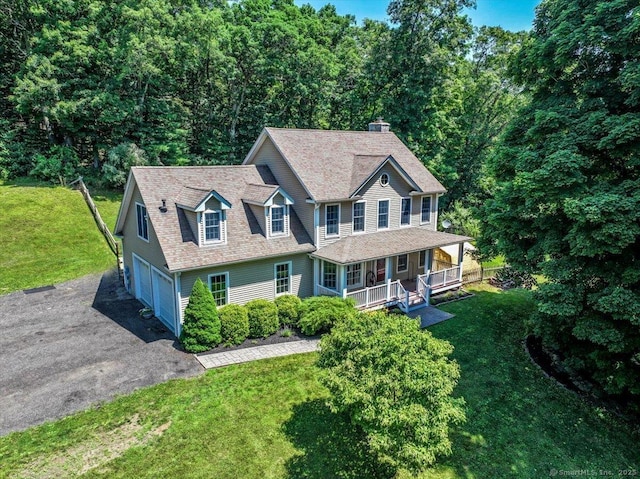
(396,382)
(568,198)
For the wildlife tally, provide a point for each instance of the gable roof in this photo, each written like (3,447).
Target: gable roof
(245,240)
(329,163)
(194,199)
(262,195)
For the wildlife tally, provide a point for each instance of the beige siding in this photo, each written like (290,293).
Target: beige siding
(254,279)
(131,243)
(192,219)
(412,271)
(259,213)
(268,155)
(417,212)
(373,191)
(345,227)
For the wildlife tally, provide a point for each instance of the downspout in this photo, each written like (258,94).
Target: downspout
(177,285)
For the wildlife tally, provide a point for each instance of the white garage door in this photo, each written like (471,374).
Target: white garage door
(163,295)
(142,273)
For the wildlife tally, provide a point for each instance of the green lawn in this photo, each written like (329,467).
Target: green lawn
(48,235)
(268,420)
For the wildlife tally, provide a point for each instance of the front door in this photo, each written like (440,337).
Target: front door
(381,270)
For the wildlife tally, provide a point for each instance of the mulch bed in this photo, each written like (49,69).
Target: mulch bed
(276,338)
(449,296)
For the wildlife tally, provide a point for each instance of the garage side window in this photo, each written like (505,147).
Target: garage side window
(143,226)
(219,285)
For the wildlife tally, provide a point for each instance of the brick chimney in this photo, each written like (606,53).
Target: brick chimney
(379,125)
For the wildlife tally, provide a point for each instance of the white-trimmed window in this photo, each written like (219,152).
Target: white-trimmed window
(212,226)
(405,212)
(332,220)
(402,263)
(358,217)
(282,276)
(425,210)
(329,275)
(383,214)
(143,221)
(354,275)
(277,220)
(422,258)
(219,286)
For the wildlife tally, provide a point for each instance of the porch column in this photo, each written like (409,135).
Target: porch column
(342,274)
(460,259)
(428,264)
(316,276)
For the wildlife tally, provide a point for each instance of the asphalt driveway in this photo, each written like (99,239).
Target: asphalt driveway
(64,349)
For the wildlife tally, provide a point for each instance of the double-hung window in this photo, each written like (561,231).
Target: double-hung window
(212,231)
(358,217)
(219,283)
(405,212)
(425,210)
(403,263)
(143,221)
(354,274)
(283,278)
(277,220)
(329,275)
(383,214)
(332,220)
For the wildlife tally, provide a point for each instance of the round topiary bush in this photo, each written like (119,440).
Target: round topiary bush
(263,318)
(318,314)
(288,309)
(234,324)
(201,328)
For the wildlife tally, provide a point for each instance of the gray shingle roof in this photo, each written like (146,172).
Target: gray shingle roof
(365,247)
(244,238)
(329,162)
(258,194)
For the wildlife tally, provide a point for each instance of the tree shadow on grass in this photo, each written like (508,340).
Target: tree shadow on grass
(330,446)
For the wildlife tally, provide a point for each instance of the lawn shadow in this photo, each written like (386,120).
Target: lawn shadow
(330,446)
(114,302)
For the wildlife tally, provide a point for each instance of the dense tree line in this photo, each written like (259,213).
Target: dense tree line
(567,201)
(96,86)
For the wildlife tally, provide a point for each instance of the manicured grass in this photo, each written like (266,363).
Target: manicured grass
(494,262)
(49,236)
(268,420)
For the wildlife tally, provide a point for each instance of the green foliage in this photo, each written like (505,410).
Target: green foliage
(396,382)
(263,318)
(567,198)
(58,166)
(288,309)
(318,314)
(201,327)
(234,324)
(462,220)
(120,160)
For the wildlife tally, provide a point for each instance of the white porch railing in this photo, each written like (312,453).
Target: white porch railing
(322,291)
(444,277)
(422,287)
(371,295)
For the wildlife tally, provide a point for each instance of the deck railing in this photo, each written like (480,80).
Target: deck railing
(422,287)
(371,295)
(438,279)
(322,291)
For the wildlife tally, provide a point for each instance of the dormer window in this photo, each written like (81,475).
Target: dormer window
(212,221)
(278,214)
(213,227)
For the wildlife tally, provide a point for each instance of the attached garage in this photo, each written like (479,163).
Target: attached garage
(164,299)
(156,290)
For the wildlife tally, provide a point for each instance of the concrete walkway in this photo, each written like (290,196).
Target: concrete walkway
(216,360)
(429,316)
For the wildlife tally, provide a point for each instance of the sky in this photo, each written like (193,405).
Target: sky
(509,14)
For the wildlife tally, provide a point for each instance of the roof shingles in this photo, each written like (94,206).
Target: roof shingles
(244,239)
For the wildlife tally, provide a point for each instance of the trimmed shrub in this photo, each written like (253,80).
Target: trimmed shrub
(288,309)
(263,318)
(201,328)
(318,314)
(234,324)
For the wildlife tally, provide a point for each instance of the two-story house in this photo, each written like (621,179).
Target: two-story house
(309,212)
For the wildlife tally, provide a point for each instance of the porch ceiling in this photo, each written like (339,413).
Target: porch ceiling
(365,247)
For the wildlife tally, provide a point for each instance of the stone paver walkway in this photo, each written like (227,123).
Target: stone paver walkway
(217,360)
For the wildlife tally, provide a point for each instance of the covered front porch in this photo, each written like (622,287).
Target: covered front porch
(399,274)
